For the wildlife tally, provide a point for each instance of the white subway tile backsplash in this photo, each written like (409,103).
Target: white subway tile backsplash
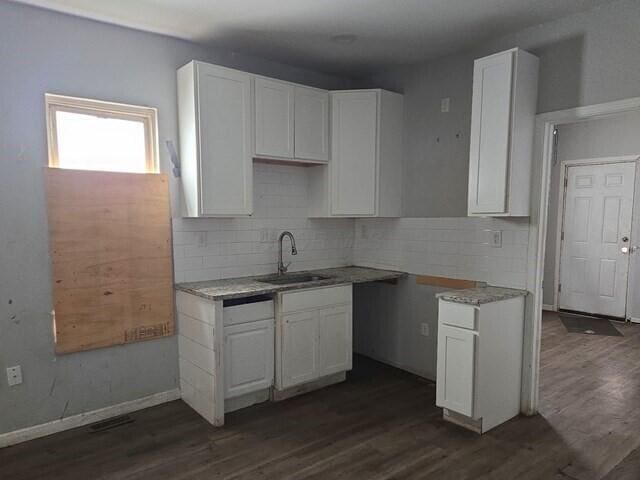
(451,247)
(213,248)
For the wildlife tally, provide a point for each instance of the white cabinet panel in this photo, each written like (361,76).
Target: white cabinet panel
(215,140)
(248,357)
(315,340)
(353,153)
(274,111)
(505,88)
(490,121)
(335,340)
(299,348)
(456,359)
(311,124)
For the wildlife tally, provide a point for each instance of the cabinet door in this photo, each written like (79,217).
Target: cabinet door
(299,348)
(248,357)
(490,133)
(335,348)
(455,370)
(224,112)
(311,124)
(274,118)
(353,165)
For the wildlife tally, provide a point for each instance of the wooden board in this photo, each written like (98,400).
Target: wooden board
(445,282)
(111,256)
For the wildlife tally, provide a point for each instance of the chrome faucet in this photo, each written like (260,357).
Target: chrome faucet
(282,268)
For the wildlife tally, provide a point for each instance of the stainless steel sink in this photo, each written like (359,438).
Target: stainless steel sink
(292,278)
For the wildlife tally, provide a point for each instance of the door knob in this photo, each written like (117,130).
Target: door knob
(625,239)
(625,249)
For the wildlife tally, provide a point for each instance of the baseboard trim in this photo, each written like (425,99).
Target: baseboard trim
(548,308)
(86,418)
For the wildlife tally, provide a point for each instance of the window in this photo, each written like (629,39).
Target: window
(94,135)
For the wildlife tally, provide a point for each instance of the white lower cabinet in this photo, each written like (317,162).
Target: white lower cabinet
(479,366)
(248,347)
(456,358)
(313,334)
(248,358)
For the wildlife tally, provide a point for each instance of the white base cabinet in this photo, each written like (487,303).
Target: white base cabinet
(313,334)
(479,366)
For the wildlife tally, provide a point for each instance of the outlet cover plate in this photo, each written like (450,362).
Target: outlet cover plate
(14,375)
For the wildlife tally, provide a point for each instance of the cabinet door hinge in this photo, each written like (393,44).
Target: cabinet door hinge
(566,181)
(559,287)
(562,235)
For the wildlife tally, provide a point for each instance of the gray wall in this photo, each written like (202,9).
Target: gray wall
(386,324)
(607,137)
(587,58)
(40,52)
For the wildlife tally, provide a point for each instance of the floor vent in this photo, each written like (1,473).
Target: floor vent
(111,423)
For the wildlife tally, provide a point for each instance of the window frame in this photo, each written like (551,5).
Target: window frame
(148,116)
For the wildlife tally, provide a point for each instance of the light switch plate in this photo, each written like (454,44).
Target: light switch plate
(14,375)
(424,329)
(445,104)
(496,239)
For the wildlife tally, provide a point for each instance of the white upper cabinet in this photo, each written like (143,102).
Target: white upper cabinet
(214,106)
(292,121)
(274,113)
(505,87)
(364,177)
(311,124)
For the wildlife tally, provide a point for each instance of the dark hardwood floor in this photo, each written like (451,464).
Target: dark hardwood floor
(380,424)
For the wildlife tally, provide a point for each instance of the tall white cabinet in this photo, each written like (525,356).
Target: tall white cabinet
(364,176)
(214,108)
(505,87)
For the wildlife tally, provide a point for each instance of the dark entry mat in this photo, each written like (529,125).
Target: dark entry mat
(575,323)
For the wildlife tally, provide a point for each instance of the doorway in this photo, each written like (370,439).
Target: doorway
(595,235)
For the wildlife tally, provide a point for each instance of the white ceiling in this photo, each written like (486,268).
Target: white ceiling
(389,32)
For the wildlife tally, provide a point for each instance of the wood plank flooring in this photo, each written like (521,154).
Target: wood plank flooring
(381,423)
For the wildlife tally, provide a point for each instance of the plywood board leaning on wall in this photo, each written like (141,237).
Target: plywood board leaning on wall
(111,257)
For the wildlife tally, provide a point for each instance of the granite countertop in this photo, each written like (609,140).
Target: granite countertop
(480,295)
(248,286)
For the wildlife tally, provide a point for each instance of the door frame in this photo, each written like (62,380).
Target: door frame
(540,187)
(562,189)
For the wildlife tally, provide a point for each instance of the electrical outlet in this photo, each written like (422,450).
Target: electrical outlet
(14,375)
(424,329)
(445,104)
(496,238)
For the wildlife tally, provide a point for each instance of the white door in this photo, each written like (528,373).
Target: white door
(299,348)
(274,118)
(248,357)
(224,112)
(489,140)
(311,124)
(335,348)
(597,225)
(353,165)
(455,369)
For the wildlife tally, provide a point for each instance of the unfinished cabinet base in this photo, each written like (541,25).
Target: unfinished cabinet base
(279,395)
(246,400)
(475,425)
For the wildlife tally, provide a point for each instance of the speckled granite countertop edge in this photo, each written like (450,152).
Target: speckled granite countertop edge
(233,288)
(481,295)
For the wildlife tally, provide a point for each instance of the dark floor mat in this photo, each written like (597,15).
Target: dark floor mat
(575,323)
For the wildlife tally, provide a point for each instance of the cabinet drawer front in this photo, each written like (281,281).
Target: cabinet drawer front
(457,315)
(249,312)
(456,369)
(315,298)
